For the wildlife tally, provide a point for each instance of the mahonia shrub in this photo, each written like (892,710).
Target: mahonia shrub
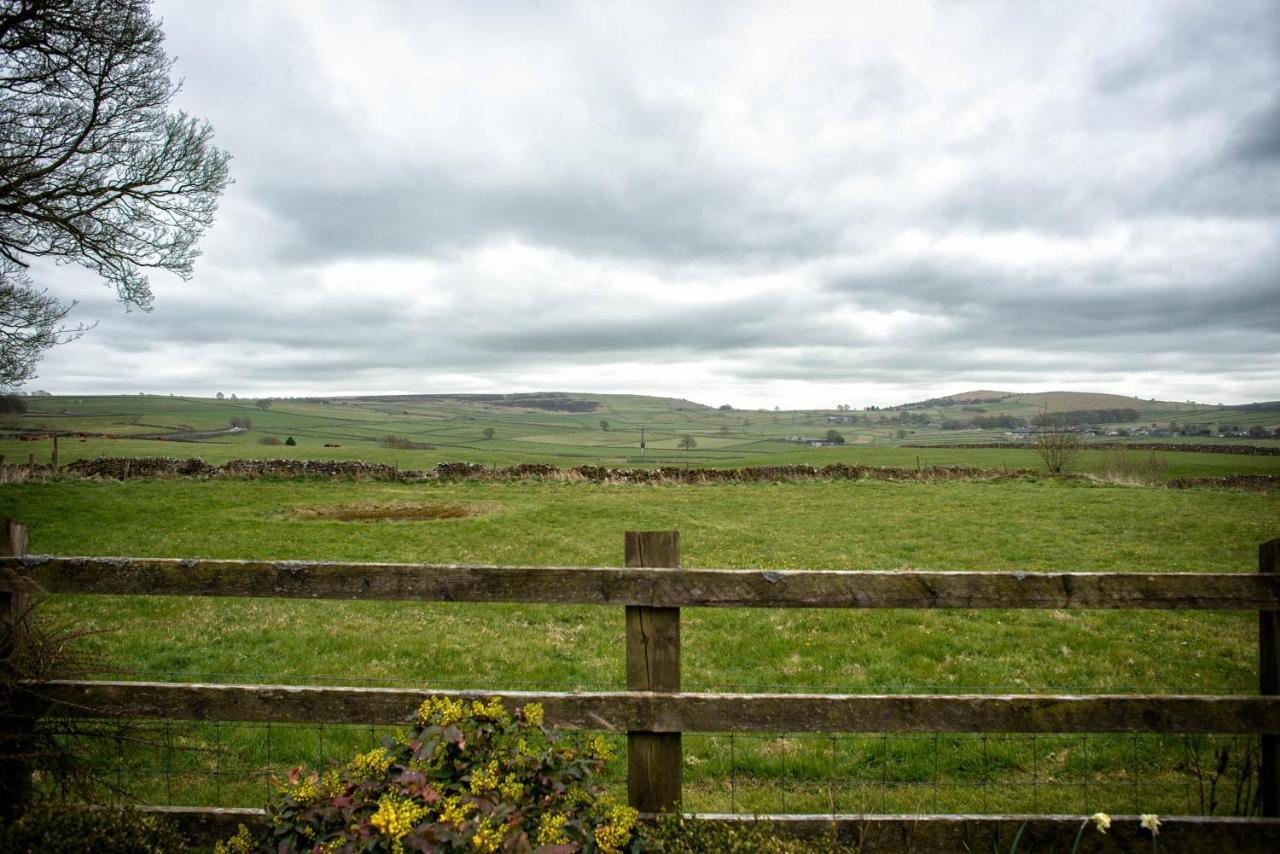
(465,776)
(49,826)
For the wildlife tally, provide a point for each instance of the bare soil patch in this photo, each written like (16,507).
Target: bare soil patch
(395,511)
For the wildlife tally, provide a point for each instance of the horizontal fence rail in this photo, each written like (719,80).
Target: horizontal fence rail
(655,588)
(654,711)
(894,834)
(685,712)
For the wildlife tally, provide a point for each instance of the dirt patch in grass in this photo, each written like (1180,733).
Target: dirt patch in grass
(392,511)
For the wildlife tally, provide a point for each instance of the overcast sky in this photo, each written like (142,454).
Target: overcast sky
(776,204)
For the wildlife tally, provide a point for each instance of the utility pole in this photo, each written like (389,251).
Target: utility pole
(642,444)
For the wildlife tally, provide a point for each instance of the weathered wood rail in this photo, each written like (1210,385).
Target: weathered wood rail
(654,711)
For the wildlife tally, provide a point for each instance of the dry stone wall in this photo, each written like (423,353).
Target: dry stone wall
(122,468)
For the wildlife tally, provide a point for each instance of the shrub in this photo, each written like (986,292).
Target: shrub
(55,826)
(290,441)
(1125,466)
(402,444)
(269,440)
(463,776)
(1057,448)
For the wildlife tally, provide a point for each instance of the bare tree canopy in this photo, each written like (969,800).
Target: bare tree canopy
(94,169)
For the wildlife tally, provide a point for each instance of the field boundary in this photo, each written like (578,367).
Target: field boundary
(1180,447)
(654,711)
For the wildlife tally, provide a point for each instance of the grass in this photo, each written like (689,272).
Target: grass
(455,429)
(1030,525)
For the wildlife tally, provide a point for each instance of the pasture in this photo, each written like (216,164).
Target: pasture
(430,430)
(1029,524)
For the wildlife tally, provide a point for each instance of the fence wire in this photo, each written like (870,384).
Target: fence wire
(184,763)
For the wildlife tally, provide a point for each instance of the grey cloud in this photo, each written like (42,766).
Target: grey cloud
(1258,137)
(673,149)
(1097,301)
(672,216)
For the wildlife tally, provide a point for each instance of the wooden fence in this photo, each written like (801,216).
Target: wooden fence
(655,712)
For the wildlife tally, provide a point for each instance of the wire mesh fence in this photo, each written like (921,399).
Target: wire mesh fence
(192,763)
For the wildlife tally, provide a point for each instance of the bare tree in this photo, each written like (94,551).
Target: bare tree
(30,323)
(94,169)
(687,443)
(1057,447)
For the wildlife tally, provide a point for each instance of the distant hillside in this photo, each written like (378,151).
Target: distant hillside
(980,396)
(547,401)
(1052,401)
(1068,401)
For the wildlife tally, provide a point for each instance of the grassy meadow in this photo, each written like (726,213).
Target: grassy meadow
(439,429)
(1025,524)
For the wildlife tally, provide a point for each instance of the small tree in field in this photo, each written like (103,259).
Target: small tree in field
(1057,447)
(604,425)
(263,403)
(487,432)
(687,443)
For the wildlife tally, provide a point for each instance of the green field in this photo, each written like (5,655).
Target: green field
(1032,525)
(454,429)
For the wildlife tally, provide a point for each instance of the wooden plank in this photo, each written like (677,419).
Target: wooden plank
(657,588)
(654,759)
(897,833)
(1269,683)
(15,605)
(686,712)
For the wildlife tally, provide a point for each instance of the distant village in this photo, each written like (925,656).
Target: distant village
(1109,423)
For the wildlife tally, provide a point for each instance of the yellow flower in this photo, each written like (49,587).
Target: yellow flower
(615,833)
(454,811)
(494,710)
(600,749)
(1101,820)
(445,711)
(241,843)
(331,784)
(484,778)
(307,790)
(551,828)
(397,816)
(1151,822)
(510,788)
(372,764)
(488,839)
(533,713)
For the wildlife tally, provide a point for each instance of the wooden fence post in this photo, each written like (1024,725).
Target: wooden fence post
(654,760)
(1269,684)
(15,775)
